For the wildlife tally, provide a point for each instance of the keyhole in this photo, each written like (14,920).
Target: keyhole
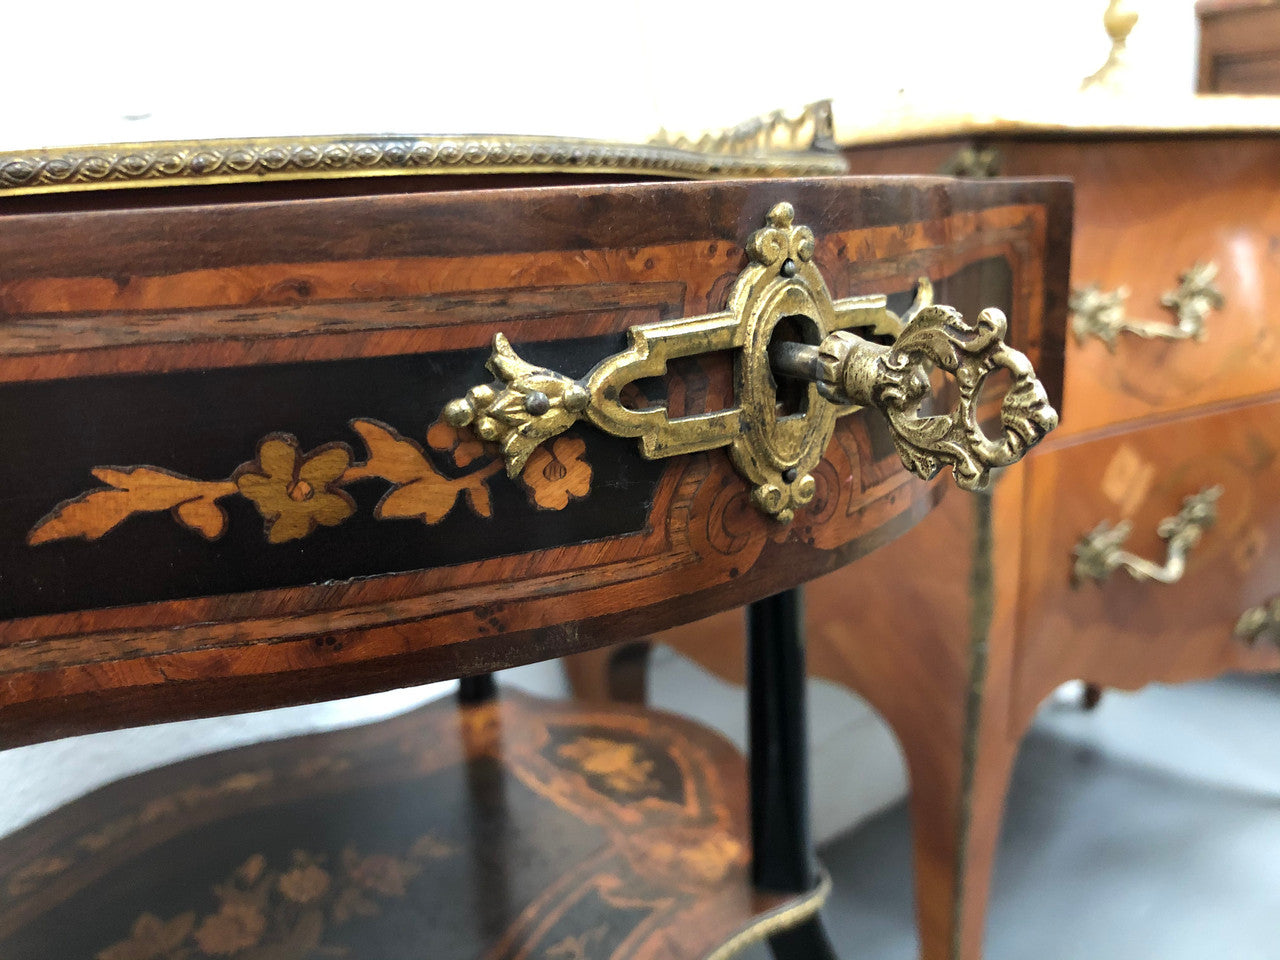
(792,394)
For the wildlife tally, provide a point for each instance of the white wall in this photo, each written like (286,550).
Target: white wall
(611,70)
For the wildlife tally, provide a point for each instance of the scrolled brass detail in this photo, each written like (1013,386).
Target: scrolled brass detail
(895,379)
(812,129)
(1100,552)
(973,162)
(1101,313)
(776,451)
(1260,624)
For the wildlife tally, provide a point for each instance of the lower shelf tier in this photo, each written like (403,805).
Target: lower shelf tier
(511,829)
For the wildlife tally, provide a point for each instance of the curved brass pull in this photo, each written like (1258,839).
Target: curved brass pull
(1099,552)
(1260,624)
(1102,313)
(528,404)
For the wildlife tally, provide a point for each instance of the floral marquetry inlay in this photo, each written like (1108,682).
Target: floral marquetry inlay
(281,912)
(296,491)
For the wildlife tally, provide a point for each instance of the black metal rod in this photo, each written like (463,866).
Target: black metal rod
(779,772)
(796,360)
(489,837)
(477,689)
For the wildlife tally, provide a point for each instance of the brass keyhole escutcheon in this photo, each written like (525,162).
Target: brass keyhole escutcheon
(799,367)
(791,395)
(781,287)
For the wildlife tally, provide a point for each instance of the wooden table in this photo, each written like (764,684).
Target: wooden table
(232,484)
(1153,417)
(1239,46)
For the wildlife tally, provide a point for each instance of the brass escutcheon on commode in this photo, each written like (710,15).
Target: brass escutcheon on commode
(777,452)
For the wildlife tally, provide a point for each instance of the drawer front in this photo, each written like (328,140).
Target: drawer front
(1124,632)
(1147,213)
(229,461)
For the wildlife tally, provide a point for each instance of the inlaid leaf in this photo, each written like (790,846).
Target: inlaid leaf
(429,500)
(136,490)
(151,938)
(458,443)
(204,516)
(392,456)
(478,499)
(420,491)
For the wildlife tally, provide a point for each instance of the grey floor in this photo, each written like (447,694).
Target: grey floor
(1148,828)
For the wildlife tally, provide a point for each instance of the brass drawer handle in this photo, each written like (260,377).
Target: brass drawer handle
(1260,624)
(775,451)
(1099,552)
(1102,314)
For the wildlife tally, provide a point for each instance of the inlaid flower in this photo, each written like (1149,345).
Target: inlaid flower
(304,883)
(235,927)
(618,764)
(296,492)
(151,938)
(459,442)
(251,870)
(555,476)
(380,873)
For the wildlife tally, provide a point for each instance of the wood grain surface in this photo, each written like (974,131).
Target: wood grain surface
(1146,210)
(1126,633)
(277,296)
(924,629)
(508,829)
(1239,47)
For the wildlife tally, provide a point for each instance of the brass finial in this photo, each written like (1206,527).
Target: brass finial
(1119,21)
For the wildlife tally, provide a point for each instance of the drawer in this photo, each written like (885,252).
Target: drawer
(1123,632)
(232,481)
(1147,212)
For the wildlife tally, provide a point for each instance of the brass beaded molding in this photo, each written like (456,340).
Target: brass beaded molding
(117,166)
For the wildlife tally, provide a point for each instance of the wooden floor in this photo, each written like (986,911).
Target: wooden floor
(518,828)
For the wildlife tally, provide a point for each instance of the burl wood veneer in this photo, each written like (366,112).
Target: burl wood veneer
(230,488)
(1144,425)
